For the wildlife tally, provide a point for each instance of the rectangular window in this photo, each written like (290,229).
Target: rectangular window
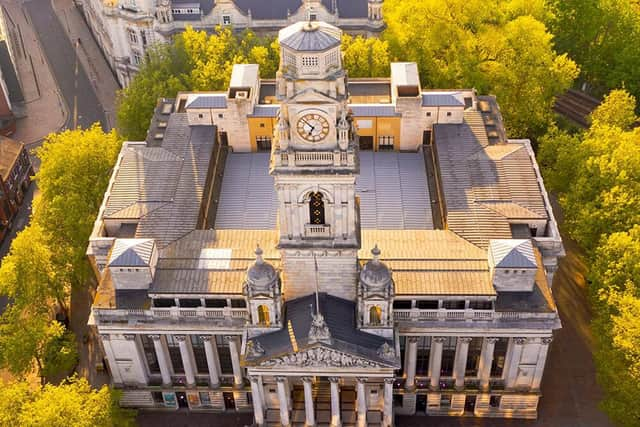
(453,305)
(174,354)
(224,353)
(428,113)
(499,356)
(448,356)
(164,302)
(263,143)
(385,143)
(226,19)
(473,357)
(137,58)
(480,305)
(448,113)
(215,303)
(190,302)
(427,304)
(309,61)
(133,36)
(143,37)
(402,304)
(422,360)
(313,17)
(238,303)
(150,354)
(198,352)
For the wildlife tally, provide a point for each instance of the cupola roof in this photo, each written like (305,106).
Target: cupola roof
(310,36)
(375,274)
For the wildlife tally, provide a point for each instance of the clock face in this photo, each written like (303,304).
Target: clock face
(313,127)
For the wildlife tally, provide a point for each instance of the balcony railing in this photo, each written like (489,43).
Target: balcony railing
(316,231)
(171,313)
(466,315)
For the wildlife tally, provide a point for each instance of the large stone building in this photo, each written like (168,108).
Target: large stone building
(15,177)
(125,28)
(328,251)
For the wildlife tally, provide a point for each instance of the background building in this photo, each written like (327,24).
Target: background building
(324,251)
(15,177)
(125,28)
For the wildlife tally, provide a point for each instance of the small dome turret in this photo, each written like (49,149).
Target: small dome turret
(261,276)
(375,274)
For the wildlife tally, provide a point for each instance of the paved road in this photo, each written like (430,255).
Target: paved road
(72,79)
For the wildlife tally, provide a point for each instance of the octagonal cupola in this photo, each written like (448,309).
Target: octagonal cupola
(375,296)
(310,50)
(262,292)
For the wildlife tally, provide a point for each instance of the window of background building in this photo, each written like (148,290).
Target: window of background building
(473,357)
(174,354)
(499,356)
(137,58)
(448,356)
(143,37)
(226,19)
(133,36)
(422,359)
(150,354)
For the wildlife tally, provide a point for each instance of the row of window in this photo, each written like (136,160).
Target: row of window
(445,304)
(133,36)
(448,113)
(449,355)
(199,302)
(175,357)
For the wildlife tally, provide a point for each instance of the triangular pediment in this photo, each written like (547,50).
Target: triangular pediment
(322,356)
(311,95)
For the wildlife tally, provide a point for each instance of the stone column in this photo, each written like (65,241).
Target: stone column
(309,409)
(138,358)
(335,401)
(258,411)
(235,360)
(486,360)
(517,345)
(161,355)
(284,401)
(211,352)
(187,360)
(542,359)
(387,420)
(362,402)
(460,364)
(114,370)
(410,369)
(436,362)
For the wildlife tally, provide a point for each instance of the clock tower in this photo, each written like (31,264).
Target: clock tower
(315,164)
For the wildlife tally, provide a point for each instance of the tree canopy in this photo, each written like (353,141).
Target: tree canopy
(596,174)
(498,47)
(73,403)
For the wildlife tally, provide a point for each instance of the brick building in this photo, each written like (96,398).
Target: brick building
(15,177)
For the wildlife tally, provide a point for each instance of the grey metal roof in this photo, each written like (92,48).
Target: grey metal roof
(9,74)
(272,9)
(339,315)
(440,100)
(393,191)
(392,188)
(265,111)
(310,36)
(348,8)
(512,253)
(131,253)
(247,199)
(475,175)
(373,110)
(173,172)
(209,101)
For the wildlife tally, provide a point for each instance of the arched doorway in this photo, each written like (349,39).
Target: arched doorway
(263,315)
(375,315)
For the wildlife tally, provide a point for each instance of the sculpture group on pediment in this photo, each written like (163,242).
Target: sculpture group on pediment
(320,357)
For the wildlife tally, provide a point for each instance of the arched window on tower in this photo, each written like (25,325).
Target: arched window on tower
(263,315)
(316,209)
(375,315)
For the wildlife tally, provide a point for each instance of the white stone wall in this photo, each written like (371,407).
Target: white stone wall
(513,279)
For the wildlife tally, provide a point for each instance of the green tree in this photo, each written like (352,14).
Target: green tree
(73,403)
(498,47)
(617,109)
(365,57)
(193,61)
(602,36)
(73,176)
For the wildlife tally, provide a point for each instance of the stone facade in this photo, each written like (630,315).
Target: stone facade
(329,320)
